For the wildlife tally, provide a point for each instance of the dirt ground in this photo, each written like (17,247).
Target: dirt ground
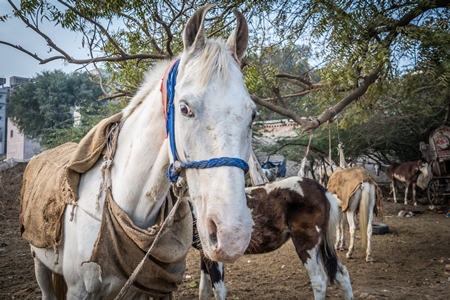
(409,262)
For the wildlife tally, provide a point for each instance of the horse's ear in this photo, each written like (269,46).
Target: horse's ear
(194,37)
(238,40)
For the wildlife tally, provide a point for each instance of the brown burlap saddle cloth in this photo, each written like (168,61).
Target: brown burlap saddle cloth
(344,183)
(121,245)
(50,182)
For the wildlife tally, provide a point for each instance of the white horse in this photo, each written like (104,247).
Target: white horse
(212,119)
(364,200)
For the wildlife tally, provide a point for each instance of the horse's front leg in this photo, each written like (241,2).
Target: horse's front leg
(352,228)
(211,279)
(205,288)
(414,193)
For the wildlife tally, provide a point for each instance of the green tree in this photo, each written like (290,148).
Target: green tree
(43,107)
(356,43)
(357,49)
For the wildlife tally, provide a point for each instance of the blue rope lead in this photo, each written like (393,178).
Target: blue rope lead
(173,173)
(217,162)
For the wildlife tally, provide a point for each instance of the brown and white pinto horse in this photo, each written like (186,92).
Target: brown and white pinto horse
(293,208)
(407,173)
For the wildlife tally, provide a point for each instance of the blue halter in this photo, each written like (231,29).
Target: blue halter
(173,172)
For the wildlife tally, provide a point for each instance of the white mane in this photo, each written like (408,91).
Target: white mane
(150,82)
(215,57)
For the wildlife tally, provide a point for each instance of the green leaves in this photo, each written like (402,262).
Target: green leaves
(44,107)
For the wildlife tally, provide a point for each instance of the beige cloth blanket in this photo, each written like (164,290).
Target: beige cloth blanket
(51,181)
(344,183)
(120,247)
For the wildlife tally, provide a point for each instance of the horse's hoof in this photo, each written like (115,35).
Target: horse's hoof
(369,259)
(349,256)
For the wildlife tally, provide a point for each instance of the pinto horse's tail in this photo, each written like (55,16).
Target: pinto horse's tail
(329,255)
(59,286)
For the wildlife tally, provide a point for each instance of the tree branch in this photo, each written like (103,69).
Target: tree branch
(327,114)
(300,81)
(106,58)
(278,109)
(333,111)
(38,31)
(102,29)
(20,48)
(117,94)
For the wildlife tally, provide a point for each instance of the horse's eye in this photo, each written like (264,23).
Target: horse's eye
(185,110)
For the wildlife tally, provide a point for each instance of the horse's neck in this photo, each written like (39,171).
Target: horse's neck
(139,183)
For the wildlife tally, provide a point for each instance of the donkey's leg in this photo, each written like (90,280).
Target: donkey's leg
(44,279)
(393,187)
(343,281)
(337,245)
(340,232)
(406,192)
(352,229)
(414,193)
(340,226)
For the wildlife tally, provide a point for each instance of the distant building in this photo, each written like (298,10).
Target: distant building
(13,143)
(277,128)
(15,81)
(19,146)
(4,91)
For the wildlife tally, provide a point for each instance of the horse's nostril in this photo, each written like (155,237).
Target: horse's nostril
(213,239)
(212,229)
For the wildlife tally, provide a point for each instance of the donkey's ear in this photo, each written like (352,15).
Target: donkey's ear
(238,40)
(194,37)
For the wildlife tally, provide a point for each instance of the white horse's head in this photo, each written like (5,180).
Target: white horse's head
(213,118)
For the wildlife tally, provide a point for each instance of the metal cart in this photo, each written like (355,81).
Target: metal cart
(438,189)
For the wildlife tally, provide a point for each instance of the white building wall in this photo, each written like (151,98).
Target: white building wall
(3,101)
(19,146)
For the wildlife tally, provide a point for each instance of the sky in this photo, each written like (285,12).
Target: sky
(16,63)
